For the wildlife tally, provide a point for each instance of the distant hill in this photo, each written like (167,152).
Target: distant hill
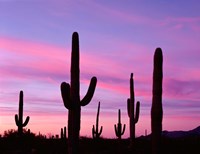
(181,134)
(178,134)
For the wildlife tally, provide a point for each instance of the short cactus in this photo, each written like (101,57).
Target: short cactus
(95,132)
(156,108)
(118,128)
(71,97)
(63,134)
(19,117)
(133,119)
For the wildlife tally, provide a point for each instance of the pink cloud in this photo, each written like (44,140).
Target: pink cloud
(184,90)
(111,79)
(42,60)
(26,57)
(30,48)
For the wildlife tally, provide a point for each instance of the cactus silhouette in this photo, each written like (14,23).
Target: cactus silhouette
(156,108)
(63,134)
(145,133)
(118,128)
(133,119)
(71,97)
(95,132)
(19,117)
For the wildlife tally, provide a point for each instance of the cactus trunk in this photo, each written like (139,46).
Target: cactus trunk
(71,97)
(133,119)
(96,133)
(74,115)
(61,133)
(19,117)
(156,109)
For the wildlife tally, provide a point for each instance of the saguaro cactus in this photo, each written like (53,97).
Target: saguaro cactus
(71,97)
(19,117)
(63,134)
(95,132)
(156,109)
(133,119)
(118,128)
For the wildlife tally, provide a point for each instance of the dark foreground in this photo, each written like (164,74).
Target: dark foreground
(103,146)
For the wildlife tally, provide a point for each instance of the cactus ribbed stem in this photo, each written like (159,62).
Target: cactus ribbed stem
(71,97)
(156,109)
(95,132)
(133,116)
(19,117)
(118,128)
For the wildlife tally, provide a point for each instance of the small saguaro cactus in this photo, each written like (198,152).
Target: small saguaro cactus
(95,132)
(19,117)
(118,128)
(133,119)
(156,108)
(63,134)
(71,97)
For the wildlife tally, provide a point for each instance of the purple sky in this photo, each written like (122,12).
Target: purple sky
(116,38)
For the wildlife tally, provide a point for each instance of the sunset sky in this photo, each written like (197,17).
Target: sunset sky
(116,38)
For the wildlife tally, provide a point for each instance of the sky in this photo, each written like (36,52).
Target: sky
(116,38)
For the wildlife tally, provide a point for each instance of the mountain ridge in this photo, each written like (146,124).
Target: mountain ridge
(179,133)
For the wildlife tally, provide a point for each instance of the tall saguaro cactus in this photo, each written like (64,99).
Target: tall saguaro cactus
(96,133)
(156,109)
(71,97)
(19,117)
(118,128)
(133,119)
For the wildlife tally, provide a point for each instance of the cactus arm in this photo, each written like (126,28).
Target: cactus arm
(65,92)
(96,133)
(17,120)
(101,129)
(26,121)
(116,131)
(137,112)
(128,107)
(90,92)
(123,129)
